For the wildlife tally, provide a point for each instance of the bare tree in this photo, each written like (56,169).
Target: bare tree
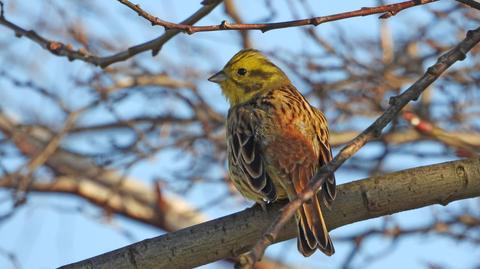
(84,107)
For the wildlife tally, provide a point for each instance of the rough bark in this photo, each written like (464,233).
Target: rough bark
(356,201)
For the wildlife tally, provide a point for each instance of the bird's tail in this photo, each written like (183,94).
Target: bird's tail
(312,230)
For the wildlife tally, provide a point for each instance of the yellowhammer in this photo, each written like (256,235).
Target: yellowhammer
(276,141)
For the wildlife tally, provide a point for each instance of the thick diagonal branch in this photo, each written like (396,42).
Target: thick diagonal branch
(397,103)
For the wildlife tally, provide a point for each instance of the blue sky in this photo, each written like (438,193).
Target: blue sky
(49,231)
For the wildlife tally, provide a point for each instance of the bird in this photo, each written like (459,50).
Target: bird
(276,141)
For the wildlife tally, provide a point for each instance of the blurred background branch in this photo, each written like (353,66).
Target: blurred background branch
(142,141)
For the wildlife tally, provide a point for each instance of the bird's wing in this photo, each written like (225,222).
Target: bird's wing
(244,144)
(293,155)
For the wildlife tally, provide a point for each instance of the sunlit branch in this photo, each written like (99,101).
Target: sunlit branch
(458,53)
(359,200)
(386,11)
(67,50)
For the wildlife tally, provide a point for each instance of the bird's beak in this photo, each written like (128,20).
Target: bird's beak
(219,77)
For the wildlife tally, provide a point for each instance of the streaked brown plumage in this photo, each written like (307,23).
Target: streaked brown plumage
(276,141)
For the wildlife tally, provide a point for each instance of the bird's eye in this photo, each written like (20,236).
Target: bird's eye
(242,71)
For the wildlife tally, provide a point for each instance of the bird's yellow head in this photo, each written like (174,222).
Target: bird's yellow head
(248,74)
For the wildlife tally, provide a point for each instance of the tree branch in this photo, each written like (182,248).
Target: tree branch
(356,201)
(172,29)
(107,189)
(397,103)
(386,11)
(402,137)
(463,147)
(76,174)
(470,3)
(66,50)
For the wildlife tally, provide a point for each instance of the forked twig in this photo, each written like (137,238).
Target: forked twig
(67,50)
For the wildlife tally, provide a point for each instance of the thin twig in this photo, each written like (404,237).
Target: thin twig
(386,11)
(232,11)
(25,180)
(66,50)
(463,148)
(1,10)
(458,53)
